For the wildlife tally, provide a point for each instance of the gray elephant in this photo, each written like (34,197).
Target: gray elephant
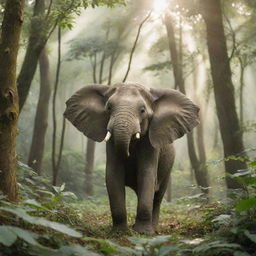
(139,126)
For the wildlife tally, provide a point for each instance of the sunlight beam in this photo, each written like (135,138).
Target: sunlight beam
(160,7)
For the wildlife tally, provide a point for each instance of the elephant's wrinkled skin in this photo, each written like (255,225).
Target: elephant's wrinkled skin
(143,124)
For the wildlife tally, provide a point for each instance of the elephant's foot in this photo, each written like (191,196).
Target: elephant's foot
(119,228)
(144,228)
(155,225)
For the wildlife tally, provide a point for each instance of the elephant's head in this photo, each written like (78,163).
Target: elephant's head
(126,112)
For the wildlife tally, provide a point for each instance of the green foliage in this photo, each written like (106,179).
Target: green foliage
(63,10)
(23,222)
(248,179)
(22,214)
(9,235)
(197,228)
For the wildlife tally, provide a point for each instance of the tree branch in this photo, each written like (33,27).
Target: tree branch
(134,46)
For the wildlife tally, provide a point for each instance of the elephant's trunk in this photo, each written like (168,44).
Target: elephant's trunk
(122,142)
(123,128)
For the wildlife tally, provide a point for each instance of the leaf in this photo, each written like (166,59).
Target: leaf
(7,237)
(59,227)
(9,234)
(195,241)
(252,237)
(246,204)
(213,245)
(238,253)
(105,246)
(69,194)
(62,187)
(77,250)
(34,204)
(154,242)
(21,213)
(222,219)
(247,180)
(2,197)
(25,235)
(252,163)
(110,247)
(56,189)
(165,250)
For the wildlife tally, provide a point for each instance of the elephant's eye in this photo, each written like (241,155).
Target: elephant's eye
(109,107)
(142,110)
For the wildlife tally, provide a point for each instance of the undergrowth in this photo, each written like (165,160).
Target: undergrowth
(51,221)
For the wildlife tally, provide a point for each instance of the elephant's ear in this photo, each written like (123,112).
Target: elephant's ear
(86,111)
(174,115)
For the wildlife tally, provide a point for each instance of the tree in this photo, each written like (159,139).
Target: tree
(223,88)
(41,118)
(43,24)
(56,158)
(9,109)
(36,42)
(180,64)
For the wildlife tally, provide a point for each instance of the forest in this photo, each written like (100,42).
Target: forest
(127,127)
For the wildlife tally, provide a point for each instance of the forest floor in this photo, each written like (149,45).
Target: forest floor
(50,222)
(178,219)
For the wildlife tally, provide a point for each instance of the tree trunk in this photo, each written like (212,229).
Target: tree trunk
(56,158)
(200,170)
(223,88)
(57,166)
(41,119)
(90,150)
(36,43)
(9,106)
(241,103)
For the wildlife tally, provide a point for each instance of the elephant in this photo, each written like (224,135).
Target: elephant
(139,126)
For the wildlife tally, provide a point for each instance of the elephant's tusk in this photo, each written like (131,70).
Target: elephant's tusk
(137,135)
(107,137)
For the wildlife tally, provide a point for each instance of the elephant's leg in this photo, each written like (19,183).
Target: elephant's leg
(146,181)
(143,223)
(115,183)
(158,197)
(165,164)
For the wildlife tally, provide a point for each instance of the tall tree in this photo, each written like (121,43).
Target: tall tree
(200,170)
(223,87)
(36,42)
(9,108)
(41,118)
(56,157)
(43,23)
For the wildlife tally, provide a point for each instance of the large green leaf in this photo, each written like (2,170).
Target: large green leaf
(7,237)
(247,180)
(71,250)
(9,234)
(246,204)
(25,235)
(21,213)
